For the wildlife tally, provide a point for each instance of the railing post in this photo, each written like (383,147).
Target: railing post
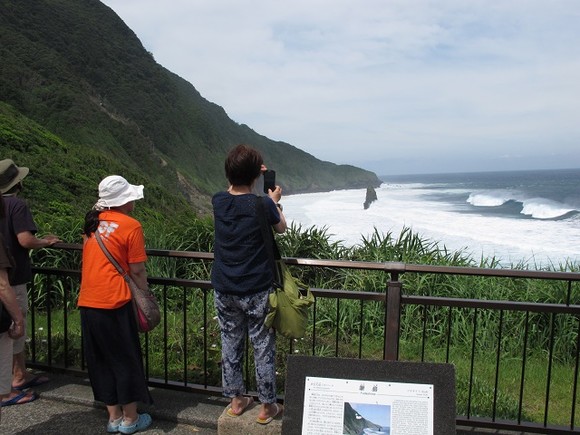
(392,318)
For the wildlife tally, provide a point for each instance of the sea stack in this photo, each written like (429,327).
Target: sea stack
(371,196)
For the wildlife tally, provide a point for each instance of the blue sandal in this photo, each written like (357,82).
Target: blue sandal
(143,422)
(113,426)
(20,399)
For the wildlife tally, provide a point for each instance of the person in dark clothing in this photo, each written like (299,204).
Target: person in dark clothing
(10,330)
(19,231)
(242,279)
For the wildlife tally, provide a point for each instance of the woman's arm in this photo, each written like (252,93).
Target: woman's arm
(280,227)
(138,272)
(276,195)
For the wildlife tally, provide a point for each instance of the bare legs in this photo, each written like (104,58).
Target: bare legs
(128,412)
(19,374)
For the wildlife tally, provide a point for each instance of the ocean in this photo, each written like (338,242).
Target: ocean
(530,217)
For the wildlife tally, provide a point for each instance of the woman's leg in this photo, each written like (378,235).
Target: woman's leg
(233,334)
(263,342)
(130,413)
(115,412)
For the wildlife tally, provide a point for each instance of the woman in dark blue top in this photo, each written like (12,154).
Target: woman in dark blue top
(242,280)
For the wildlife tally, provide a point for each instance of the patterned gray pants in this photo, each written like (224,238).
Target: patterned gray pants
(238,315)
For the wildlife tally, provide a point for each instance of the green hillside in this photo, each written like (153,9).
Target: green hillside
(81,99)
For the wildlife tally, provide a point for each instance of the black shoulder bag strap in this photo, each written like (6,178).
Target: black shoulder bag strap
(269,242)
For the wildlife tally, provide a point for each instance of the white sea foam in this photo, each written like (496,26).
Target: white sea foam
(544,209)
(489,199)
(510,240)
(538,208)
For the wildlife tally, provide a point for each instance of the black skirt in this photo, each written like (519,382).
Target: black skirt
(113,355)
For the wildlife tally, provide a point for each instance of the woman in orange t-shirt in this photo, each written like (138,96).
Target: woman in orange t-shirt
(110,337)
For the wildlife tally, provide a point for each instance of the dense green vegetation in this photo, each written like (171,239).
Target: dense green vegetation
(80,98)
(62,184)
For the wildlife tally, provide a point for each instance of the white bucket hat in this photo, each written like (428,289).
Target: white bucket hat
(115,191)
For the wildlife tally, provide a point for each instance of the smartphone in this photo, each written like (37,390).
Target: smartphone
(269,180)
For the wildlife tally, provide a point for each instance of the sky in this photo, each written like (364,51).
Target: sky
(396,87)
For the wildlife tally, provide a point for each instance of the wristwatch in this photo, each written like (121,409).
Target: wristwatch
(279,206)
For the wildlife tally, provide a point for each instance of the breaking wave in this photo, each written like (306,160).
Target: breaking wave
(536,208)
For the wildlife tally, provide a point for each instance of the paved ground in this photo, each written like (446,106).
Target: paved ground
(66,406)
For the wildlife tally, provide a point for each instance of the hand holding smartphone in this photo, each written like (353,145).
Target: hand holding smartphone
(269,180)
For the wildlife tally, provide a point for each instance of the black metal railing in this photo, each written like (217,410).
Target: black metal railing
(508,353)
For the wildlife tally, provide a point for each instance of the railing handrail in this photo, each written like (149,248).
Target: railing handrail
(394,299)
(395,267)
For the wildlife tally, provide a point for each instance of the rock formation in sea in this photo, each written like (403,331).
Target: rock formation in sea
(355,424)
(371,197)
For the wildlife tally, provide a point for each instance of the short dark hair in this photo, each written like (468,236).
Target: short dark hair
(243,165)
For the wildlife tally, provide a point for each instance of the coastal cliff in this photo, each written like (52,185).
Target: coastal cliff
(79,90)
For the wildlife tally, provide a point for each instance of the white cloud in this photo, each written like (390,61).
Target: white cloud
(356,82)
